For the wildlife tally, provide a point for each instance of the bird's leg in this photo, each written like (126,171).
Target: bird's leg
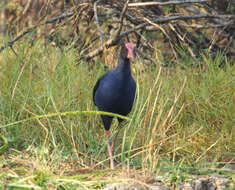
(115,140)
(109,145)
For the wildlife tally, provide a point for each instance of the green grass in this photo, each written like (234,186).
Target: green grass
(182,122)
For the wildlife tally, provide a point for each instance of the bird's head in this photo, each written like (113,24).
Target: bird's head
(127,51)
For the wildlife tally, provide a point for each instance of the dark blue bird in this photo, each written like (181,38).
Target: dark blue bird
(115,91)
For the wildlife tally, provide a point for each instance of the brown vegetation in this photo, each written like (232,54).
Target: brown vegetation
(197,26)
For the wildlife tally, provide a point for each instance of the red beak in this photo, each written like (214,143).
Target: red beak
(130,55)
(130,48)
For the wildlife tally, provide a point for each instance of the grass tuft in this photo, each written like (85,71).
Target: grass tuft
(182,121)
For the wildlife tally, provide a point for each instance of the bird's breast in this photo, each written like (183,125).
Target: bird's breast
(116,95)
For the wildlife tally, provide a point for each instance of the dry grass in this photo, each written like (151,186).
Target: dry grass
(181,123)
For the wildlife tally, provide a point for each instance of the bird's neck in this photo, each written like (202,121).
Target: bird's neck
(124,66)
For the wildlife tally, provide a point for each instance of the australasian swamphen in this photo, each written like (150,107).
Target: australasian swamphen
(115,91)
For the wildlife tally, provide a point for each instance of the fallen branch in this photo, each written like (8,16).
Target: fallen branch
(60,17)
(199,26)
(115,41)
(189,17)
(166,3)
(122,17)
(97,22)
(10,44)
(111,42)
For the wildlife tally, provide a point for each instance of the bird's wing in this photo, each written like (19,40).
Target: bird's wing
(96,87)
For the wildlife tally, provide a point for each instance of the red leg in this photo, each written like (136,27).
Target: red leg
(109,146)
(114,142)
(115,138)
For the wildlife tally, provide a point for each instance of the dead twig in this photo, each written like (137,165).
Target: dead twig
(10,44)
(116,39)
(97,22)
(200,26)
(166,3)
(184,40)
(54,19)
(189,17)
(122,17)
(60,17)
(27,7)
(112,42)
(165,33)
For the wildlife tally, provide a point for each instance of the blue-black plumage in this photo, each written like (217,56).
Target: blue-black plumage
(115,91)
